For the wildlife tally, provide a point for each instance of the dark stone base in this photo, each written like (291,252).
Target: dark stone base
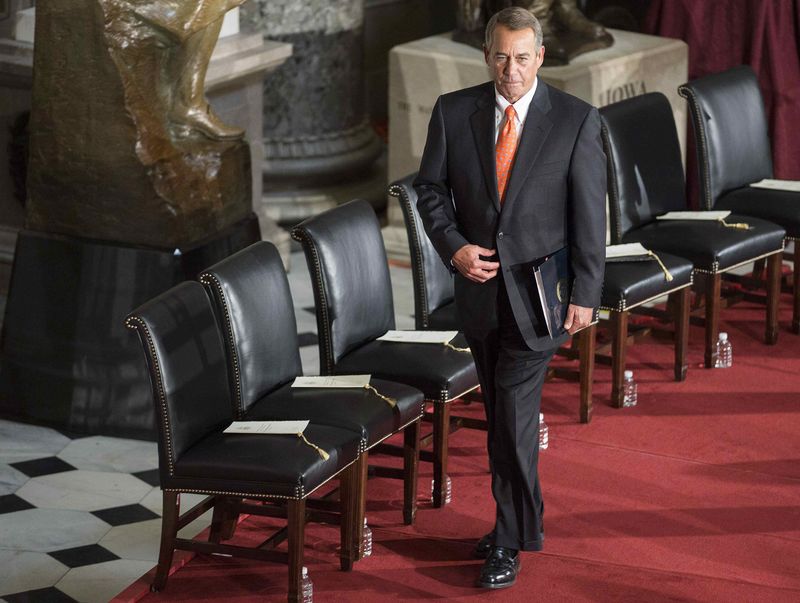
(66,358)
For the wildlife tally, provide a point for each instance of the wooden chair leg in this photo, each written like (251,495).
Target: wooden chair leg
(169,530)
(796,288)
(441,432)
(713,287)
(619,340)
(223,520)
(410,468)
(773,297)
(681,305)
(758,270)
(586,350)
(296,516)
(348,500)
(362,474)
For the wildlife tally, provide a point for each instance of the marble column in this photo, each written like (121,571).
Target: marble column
(316,129)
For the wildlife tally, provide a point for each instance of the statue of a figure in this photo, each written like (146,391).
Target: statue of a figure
(567,32)
(187,30)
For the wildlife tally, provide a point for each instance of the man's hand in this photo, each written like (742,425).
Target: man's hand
(468,262)
(578,317)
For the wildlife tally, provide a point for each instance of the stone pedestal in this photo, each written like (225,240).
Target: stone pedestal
(422,70)
(67,359)
(234,86)
(316,132)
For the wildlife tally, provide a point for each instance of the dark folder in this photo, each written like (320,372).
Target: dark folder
(554,286)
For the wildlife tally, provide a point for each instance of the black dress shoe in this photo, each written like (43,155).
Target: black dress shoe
(500,568)
(485,544)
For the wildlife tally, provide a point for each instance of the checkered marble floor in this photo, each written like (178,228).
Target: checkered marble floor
(80,515)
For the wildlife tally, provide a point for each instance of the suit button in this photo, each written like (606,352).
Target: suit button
(499,235)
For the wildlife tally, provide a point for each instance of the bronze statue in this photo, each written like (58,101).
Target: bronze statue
(567,32)
(188,32)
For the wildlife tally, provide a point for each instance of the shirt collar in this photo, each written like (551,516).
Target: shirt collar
(521,106)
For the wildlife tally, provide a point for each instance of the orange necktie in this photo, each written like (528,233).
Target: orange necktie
(504,151)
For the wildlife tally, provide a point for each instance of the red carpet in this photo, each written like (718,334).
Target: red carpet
(693,495)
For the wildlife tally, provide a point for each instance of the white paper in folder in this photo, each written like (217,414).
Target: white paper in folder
(268,427)
(418,336)
(793,186)
(712,215)
(625,250)
(333,381)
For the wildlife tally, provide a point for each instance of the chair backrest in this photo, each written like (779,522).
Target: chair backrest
(433,282)
(254,305)
(186,361)
(350,275)
(730,131)
(645,172)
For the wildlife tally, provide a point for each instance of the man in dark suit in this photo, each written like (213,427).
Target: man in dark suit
(514,170)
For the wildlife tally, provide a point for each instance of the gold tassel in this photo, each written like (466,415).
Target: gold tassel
(392,402)
(457,349)
(739,225)
(667,274)
(325,456)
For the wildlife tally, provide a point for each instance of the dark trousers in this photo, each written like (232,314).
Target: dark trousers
(511,377)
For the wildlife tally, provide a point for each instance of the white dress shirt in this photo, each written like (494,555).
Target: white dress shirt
(521,107)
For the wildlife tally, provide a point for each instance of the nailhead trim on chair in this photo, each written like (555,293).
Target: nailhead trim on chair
(399,192)
(137,324)
(323,325)
(622,305)
(715,266)
(612,180)
(700,129)
(211,280)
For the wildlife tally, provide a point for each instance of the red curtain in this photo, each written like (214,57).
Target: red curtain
(760,33)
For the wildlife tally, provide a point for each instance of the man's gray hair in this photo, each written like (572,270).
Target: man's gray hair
(514,18)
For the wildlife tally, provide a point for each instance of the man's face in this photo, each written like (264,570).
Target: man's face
(513,61)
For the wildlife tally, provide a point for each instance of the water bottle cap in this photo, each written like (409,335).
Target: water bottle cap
(305,572)
(628,374)
(541,417)
(723,336)
(365,521)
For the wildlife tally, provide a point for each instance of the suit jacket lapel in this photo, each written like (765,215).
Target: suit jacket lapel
(482,122)
(537,127)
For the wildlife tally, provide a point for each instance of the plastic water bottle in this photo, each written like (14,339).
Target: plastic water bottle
(366,540)
(448,490)
(307,587)
(724,352)
(543,433)
(628,390)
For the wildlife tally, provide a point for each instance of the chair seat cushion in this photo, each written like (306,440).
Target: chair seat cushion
(627,284)
(357,410)
(444,318)
(277,465)
(710,246)
(440,372)
(780,207)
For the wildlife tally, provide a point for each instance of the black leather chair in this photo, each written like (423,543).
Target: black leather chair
(353,296)
(254,304)
(186,361)
(435,309)
(645,179)
(628,287)
(733,151)
(623,290)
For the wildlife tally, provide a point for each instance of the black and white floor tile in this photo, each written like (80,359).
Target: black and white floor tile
(80,516)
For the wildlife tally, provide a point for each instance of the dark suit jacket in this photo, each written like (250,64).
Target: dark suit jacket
(555,197)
